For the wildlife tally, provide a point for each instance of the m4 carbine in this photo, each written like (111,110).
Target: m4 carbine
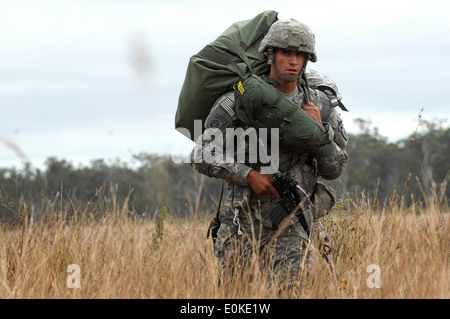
(294,200)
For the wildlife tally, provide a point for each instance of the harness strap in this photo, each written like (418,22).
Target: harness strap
(215,223)
(304,85)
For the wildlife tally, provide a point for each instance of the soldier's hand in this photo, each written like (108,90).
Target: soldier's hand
(262,184)
(313,111)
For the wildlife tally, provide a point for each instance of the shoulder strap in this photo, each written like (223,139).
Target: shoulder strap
(332,95)
(303,81)
(210,54)
(237,50)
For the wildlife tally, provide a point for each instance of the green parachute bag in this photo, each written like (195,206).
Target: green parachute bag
(261,105)
(214,70)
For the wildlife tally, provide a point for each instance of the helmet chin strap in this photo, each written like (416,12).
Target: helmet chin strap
(284,77)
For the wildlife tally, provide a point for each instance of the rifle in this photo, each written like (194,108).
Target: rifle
(294,200)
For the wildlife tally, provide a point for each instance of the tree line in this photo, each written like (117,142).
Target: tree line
(413,170)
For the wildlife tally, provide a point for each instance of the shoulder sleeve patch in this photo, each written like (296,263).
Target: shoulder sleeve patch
(222,114)
(215,122)
(227,104)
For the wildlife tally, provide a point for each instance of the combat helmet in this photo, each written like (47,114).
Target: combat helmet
(331,160)
(292,35)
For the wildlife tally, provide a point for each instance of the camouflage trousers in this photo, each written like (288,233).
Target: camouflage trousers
(248,244)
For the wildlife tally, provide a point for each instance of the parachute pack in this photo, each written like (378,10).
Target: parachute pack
(261,105)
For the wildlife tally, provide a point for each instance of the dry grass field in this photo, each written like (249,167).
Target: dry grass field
(392,253)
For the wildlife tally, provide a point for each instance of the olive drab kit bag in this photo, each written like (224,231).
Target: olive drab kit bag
(214,70)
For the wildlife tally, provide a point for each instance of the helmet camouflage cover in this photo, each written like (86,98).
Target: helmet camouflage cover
(292,35)
(331,160)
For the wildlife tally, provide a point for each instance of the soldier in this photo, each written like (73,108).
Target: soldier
(245,229)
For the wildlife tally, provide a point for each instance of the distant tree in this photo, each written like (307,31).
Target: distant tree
(416,168)
(375,165)
(431,160)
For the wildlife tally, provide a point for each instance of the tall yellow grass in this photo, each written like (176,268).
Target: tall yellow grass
(121,256)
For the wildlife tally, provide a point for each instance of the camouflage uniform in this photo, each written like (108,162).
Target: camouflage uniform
(246,231)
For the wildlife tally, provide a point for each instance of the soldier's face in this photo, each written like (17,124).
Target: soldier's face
(289,62)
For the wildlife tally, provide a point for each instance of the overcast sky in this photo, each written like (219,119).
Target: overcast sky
(83,80)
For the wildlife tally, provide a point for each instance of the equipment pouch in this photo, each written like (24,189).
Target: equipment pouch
(277,214)
(324,198)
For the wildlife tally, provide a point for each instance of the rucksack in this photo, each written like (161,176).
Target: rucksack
(214,70)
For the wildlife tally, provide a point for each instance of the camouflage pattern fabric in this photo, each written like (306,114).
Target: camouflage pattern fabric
(315,79)
(292,35)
